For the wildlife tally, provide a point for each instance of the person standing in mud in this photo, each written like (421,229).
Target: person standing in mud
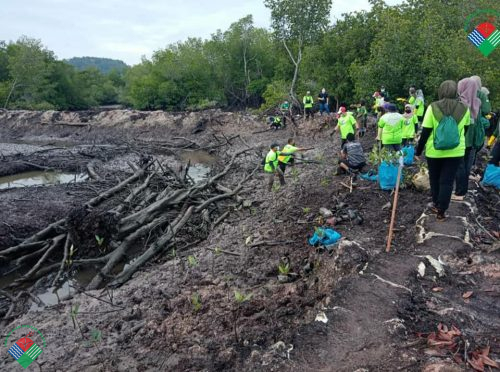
(443,164)
(324,102)
(287,157)
(346,124)
(390,130)
(308,105)
(271,167)
(410,122)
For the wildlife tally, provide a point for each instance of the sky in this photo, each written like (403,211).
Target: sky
(130,29)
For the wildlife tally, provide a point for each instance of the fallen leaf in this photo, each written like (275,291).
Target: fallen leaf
(477,364)
(467,294)
(437,289)
(496,234)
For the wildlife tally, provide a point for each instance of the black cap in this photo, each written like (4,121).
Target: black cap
(273,145)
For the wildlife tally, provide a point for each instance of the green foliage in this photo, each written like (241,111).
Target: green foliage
(378,156)
(196,302)
(192,261)
(306,210)
(99,240)
(240,297)
(417,42)
(283,268)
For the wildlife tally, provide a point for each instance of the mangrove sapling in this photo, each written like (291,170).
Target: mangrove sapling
(196,302)
(239,298)
(75,309)
(284,268)
(100,242)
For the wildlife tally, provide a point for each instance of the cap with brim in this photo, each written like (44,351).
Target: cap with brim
(273,145)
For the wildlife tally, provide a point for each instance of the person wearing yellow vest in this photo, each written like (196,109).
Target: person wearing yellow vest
(419,105)
(443,164)
(308,105)
(410,119)
(346,124)
(411,101)
(271,166)
(290,149)
(390,130)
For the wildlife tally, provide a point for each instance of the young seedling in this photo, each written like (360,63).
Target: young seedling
(240,298)
(100,242)
(324,182)
(192,261)
(306,210)
(72,251)
(74,314)
(196,302)
(283,268)
(276,187)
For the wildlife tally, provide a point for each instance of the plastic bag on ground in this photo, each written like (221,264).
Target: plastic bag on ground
(325,237)
(492,176)
(421,180)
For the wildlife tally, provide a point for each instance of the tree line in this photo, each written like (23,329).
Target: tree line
(418,42)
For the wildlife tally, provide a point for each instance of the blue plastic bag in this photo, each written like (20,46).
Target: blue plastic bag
(369,177)
(409,154)
(387,176)
(324,236)
(492,176)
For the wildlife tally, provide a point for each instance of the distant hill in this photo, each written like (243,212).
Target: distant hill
(105,65)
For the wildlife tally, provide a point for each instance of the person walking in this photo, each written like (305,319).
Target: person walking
(410,119)
(362,117)
(443,137)
(467,91)
(419,105)
(346,124)
(324,102)
(308,105)
(390,130)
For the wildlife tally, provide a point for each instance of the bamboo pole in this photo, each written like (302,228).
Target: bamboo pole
(394,206)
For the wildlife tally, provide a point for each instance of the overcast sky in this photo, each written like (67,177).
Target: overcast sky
(127,29)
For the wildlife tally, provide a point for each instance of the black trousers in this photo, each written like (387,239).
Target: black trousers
(495,153)
(442,173)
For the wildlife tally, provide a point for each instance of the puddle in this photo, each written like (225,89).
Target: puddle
(198,172)
(39,178)
(198,157)
(80,279)
(200,163)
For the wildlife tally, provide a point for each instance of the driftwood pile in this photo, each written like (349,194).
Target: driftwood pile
(150,209)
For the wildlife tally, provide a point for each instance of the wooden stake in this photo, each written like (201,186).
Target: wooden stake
(393,215)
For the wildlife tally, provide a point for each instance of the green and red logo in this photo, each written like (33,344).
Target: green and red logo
(485,36)
(25,350)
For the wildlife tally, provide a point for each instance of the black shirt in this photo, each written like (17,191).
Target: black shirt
(323,97)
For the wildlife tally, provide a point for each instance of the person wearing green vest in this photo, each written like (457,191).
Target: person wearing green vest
(271,166)
(362,117)
(413,95)
(308,105)
(420,105)
(346,124)
(410,119)
(390,130)
(443,164)
(285,111)
(290,149)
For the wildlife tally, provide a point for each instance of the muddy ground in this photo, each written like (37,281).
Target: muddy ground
(177,314)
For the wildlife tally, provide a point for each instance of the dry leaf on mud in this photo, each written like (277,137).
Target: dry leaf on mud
(444,337)
(437,289)
(496,234)
(467,294)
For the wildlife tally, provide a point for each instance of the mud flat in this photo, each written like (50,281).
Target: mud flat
(211,300)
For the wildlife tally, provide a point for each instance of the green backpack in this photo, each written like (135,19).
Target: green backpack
(481,125)
(446,135)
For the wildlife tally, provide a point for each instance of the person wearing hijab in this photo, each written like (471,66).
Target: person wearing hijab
(467,91)
(419,105)
(443,164)
(410,121)
(482,94)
